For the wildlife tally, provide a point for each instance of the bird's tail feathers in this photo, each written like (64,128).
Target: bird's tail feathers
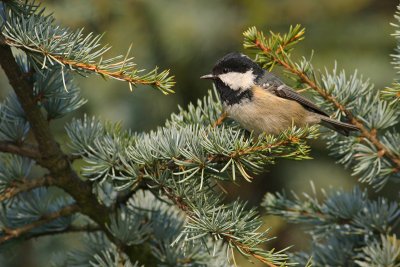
(338,126)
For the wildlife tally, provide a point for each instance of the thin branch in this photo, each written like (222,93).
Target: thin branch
(249,251)
(25,185)
(70,229)
(121,75)
(368,134)
(17,232)
(182,205)
(221,119)
(25,150)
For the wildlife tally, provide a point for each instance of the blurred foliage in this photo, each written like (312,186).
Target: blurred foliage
(188,36)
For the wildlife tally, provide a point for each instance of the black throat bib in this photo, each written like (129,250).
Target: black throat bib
(232,97)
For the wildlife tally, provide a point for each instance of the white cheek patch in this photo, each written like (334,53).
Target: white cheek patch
(237,80)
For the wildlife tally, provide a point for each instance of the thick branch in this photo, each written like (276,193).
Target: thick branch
(25,150)
(17,232)
(47,145)
(368,134)
(53,158)
(25,185)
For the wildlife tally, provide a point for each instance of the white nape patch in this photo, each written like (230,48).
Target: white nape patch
(237,80)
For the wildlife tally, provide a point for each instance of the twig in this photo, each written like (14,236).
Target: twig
(70,229)
(182,205)
(118,75)
(25,150)
(221,118)
(250,251)
(25,185)
(17,232)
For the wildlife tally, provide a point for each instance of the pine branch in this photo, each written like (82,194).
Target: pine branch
(218,152)
(227,235)
(25,185)
(126,75)
(17,232)
(25,150)
(47,44)
(256,40)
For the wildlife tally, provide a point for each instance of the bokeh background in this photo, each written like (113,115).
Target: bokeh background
(187,37)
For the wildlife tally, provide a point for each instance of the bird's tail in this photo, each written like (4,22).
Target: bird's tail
(338,126)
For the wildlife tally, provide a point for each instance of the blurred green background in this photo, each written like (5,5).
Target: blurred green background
(188,36)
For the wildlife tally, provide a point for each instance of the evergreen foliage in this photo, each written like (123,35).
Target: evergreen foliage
(155,198)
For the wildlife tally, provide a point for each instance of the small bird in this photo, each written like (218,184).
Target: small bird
(261,102)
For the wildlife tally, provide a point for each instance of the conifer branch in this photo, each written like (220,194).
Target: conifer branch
(17,232)
(25,185)
(127,75)
(49,45)
(227,235)
(256,40)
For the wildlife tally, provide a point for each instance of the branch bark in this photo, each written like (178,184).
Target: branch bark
(25,150)
(17,232)
(52,157)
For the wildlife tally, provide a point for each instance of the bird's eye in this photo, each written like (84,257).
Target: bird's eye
(225,70)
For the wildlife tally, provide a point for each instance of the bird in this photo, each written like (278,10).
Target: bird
(261,103)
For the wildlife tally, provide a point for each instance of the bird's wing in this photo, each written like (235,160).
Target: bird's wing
(274,85)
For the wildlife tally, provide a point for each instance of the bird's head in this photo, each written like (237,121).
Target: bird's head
(235,71)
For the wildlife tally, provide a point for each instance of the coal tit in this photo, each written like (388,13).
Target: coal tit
(261,102)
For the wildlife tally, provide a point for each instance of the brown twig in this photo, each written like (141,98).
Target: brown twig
(370,135)
(221,119)
(17,232)
(182,205)
(25,185)
(249,251)
(118,75)
(25,150)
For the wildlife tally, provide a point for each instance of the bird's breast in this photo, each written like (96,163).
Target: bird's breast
(266,112)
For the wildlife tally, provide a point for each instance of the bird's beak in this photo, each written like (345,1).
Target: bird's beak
(208,76)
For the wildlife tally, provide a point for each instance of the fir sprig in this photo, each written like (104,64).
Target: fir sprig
(49,45)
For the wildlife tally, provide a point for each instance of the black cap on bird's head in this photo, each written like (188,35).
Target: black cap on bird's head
(233,75)
(233,62)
